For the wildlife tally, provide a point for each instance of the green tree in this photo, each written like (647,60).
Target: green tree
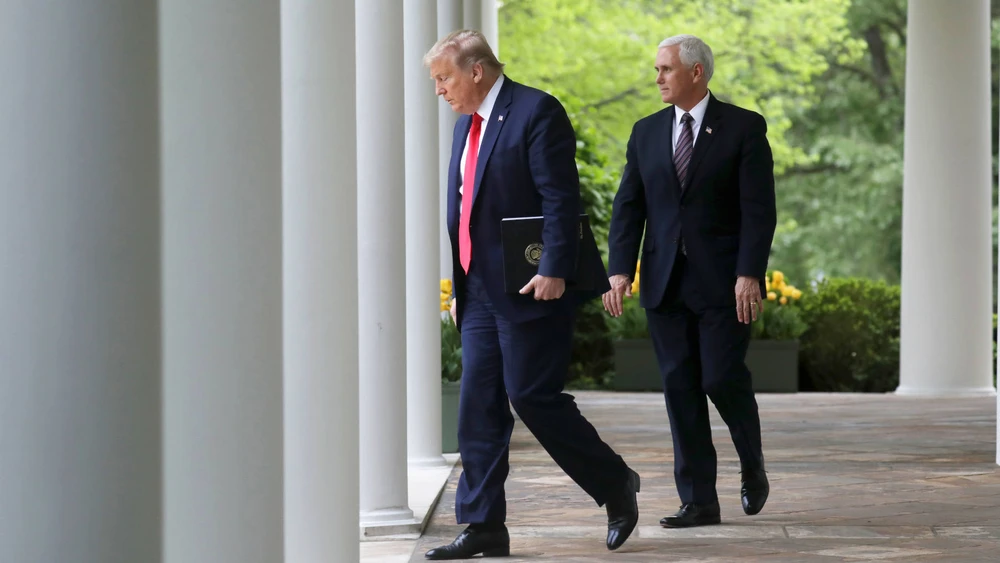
(597,57)
(841,214)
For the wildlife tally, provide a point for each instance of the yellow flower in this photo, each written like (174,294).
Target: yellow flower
(767,284)
(778,276)
(771,296)
(796,294)
(446,286)
(788,290)
(638,266)
(783,300)
(635,286)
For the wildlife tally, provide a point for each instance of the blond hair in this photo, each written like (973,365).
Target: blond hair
(468,47)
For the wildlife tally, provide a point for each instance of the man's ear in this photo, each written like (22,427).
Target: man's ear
(477,73)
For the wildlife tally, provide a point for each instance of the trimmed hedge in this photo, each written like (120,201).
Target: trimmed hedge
(852,343)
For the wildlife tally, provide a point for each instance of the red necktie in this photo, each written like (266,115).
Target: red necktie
(468,184)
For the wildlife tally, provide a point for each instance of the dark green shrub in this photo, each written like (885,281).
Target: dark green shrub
(852,343)
(451,351)
(592,360)
(632,324)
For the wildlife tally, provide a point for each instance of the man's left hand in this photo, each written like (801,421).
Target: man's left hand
(748,301)
(545,288)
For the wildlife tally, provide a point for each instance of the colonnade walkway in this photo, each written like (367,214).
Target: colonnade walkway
(853,478)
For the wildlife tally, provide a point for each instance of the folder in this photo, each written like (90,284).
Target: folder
(521,238)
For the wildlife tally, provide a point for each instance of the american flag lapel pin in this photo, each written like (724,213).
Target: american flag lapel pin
(708,130)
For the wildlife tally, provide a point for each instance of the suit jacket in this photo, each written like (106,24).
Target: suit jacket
(726,215)
(526,167)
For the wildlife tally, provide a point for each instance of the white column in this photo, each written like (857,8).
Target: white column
(79,288)
(423,223)
(449,19)
(491,24)
(472,14)
(320,256)
(381,271)
(221,96)
(946,343)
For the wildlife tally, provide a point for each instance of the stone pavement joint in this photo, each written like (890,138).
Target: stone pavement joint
(853,478)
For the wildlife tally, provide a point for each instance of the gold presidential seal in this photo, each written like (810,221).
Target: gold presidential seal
(533,253)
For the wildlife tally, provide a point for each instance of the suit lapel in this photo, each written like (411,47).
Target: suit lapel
(496,120)
(708,132)
(666,146)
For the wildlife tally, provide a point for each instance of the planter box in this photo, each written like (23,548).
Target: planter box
(636,368)
(774,365)
(449,416)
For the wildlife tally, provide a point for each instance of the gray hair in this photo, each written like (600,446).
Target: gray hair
(469,47)
(693,50)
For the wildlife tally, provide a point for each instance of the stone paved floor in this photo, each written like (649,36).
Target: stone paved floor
(853,478)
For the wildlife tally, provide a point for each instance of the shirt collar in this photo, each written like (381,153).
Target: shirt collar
(697,112)
(486,108)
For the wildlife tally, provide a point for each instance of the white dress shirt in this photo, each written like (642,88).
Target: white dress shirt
(698,113)
(484,111)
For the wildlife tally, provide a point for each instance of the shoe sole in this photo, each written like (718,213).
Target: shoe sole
(498,552)
(710,522)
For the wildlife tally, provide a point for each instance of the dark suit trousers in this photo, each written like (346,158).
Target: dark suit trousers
(527,362)
(701,351)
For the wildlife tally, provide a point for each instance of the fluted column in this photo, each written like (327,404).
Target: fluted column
(472,14)
(320,256)
(449,19)
(222,281)
(80,283)
(946,347)
(381,275)
(491,24)
(423,225)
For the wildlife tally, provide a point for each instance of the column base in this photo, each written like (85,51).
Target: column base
(944,393)
(428,462)
(425,486)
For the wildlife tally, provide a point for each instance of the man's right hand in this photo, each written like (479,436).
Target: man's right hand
(454,311)
(621,287)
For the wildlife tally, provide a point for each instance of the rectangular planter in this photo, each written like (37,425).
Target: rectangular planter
(449,416)
(636,368)
(773,365)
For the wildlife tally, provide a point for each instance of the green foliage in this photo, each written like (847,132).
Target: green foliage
(451,351)
(632,322)
(592,356)
(852,343)
(779,322)
(841,214)
(598,185)
(597,57)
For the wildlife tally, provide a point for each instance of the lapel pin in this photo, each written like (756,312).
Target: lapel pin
(500,118)
(708,130)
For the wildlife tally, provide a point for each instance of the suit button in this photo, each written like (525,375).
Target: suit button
(675,239)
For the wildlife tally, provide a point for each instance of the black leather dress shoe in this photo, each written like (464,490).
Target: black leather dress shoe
(472,542)
(623,512)
(692,514)
(754,490)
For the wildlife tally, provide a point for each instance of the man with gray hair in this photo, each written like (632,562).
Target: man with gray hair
(699,180)
(513,156)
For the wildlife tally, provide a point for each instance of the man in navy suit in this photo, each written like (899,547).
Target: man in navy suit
(513,155)
(699,179)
